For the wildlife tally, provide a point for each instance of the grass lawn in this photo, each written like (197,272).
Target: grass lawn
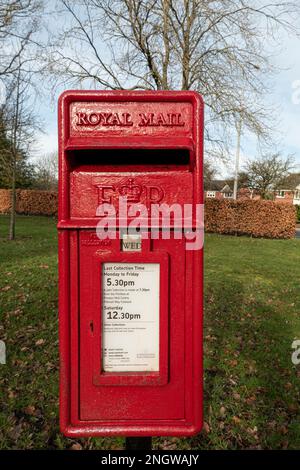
(252,315)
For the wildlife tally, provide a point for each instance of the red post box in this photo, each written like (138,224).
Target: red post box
(130,301)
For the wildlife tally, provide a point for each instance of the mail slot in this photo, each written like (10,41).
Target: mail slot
(130,271)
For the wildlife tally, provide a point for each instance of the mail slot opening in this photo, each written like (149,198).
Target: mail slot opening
(129,173)
(154,159)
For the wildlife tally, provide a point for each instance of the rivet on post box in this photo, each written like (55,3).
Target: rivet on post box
(130,267)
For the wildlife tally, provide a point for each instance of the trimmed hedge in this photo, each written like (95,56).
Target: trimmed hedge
(30,202)
(267,219)
(5,201)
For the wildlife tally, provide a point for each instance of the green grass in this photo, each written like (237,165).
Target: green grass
(252,315)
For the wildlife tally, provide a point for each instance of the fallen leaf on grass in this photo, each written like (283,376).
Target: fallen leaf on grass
(16,312)
(236,420)
(210,338)
(39,342)
(76,446)
(206,427)
(169,445)
(11,394)
(252,431)
(283,430)
(251,400)
(233,363)
(29,410)
(293,407)
(251,370)
(6,288)
(16,431)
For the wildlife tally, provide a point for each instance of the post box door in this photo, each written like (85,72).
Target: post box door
(148,395)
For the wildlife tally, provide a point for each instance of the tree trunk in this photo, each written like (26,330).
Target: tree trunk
(12,222)
(12,225)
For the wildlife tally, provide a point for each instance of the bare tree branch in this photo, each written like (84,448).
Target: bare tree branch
(215,47)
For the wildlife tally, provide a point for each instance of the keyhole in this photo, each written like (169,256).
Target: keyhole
(92,326)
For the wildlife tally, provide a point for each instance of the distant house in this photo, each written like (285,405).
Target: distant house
(218,189)
(291,196)
(222,189)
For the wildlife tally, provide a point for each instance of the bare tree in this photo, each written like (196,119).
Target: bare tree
(24,171)
(209,174)
(216,47)
(46,171)
(19,124)
(268,173)
(291,181)
(18,23)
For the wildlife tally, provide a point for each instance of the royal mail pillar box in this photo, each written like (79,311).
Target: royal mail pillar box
(130,302)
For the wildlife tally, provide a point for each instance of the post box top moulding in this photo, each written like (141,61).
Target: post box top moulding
(163,119)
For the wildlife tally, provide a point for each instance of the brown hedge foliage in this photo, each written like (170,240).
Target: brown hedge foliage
(30,201)
(256,218)
(246,217)
(4,201)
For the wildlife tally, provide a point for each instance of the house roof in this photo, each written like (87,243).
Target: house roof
(289,190)
(218,185)
(291,182)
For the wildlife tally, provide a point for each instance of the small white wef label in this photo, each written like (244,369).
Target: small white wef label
(131,242)
(130,317)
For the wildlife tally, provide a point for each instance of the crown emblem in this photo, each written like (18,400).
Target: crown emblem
(131,191)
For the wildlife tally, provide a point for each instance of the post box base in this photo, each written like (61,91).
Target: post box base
(153,431)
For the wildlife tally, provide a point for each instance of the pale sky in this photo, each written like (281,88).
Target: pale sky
(285,95)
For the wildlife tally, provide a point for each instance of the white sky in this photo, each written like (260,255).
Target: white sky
(283,96)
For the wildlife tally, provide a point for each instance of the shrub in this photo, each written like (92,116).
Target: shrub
(245,217)
(5,201)
(256,218)
(30,201)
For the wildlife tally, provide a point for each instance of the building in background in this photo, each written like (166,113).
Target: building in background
(291,196)
(222,189)
(218,189)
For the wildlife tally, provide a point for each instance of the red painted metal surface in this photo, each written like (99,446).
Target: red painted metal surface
(148,145)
